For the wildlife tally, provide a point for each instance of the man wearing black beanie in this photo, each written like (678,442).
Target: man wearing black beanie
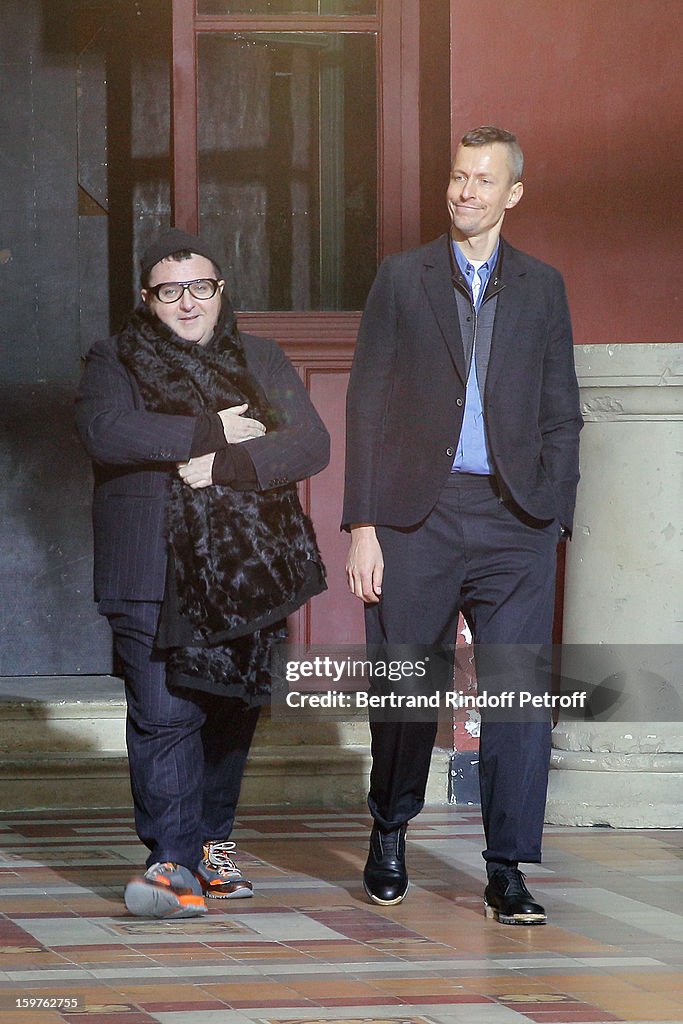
(198,435)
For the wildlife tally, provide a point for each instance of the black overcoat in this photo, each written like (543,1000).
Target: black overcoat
(134,452)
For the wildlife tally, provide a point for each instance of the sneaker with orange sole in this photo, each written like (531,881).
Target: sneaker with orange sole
(219,876)
(166,890)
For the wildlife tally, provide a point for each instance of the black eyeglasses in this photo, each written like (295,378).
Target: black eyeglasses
(173,291)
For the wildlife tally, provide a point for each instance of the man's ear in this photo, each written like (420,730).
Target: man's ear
(221,286)
(516,193)
(144,294)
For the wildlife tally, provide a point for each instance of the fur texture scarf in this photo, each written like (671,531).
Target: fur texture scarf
(239,561)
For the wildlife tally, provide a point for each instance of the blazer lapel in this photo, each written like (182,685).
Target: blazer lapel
(437,279)
(511,299)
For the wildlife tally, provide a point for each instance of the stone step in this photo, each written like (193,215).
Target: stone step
(312,776)
(88,713)
(62,745)
(61,714)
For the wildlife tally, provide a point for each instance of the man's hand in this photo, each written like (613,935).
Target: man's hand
(197,472)
(365,564)
(238,427)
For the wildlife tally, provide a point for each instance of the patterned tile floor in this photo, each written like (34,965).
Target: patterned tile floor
(310,948)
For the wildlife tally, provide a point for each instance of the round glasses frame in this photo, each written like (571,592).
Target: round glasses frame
(200,288)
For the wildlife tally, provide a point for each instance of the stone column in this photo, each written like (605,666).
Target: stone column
(624,586)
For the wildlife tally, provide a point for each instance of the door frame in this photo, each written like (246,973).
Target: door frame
(397,25)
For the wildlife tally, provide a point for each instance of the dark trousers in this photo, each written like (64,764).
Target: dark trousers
(186,749)
(474,554)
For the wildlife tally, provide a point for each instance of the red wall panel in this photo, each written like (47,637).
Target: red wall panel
(322,350)
(592,88)
(335,616)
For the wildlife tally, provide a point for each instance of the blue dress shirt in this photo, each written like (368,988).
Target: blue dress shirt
(472,454)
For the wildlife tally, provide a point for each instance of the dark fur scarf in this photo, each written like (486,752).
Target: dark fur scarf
(239,561)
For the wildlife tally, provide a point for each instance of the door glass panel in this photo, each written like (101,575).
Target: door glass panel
(348,7)
(288,166)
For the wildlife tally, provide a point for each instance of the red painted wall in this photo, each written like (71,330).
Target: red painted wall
(592,89)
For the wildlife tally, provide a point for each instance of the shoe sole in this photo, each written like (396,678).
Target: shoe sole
(239,894)
(384,903)
(145,900)
(524,919)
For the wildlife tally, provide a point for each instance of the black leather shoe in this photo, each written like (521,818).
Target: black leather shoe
(508,900)
(385,877)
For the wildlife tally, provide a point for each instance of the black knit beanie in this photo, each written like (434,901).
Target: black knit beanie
(174,240)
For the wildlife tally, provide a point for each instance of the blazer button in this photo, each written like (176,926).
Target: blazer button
(458,402)
(450,452)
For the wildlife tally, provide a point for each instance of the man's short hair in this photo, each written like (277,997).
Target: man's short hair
(488,134)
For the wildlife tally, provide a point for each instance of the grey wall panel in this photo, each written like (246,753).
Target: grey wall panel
(93,280)
(75,75)
(48,622)
(39,337)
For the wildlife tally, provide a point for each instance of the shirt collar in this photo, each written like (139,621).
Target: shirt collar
(466,267)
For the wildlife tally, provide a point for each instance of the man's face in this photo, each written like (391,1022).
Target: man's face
(481,189)
(192,319)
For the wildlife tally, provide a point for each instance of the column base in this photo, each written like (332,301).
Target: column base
(606,774)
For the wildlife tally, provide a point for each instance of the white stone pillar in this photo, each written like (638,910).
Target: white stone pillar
(624,583)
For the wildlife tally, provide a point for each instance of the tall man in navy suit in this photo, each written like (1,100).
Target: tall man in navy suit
(197,434)
(462,467)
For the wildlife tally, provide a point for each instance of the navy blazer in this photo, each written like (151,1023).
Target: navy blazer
(134,453)
(406,393)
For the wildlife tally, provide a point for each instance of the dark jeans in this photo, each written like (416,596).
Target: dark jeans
(186,749)
(474,554)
